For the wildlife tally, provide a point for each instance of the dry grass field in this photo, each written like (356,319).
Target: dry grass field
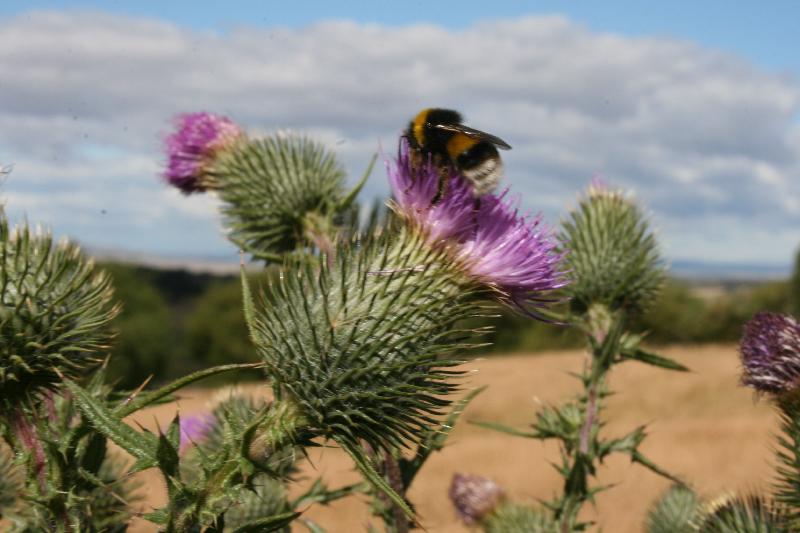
(704,427)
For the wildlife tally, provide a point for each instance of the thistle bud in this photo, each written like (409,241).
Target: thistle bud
(55,307)
(280,194)
(612,255)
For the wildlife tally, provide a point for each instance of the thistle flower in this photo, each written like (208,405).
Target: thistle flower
(193,147)
(474,497)
(195,429)
(490,242)
(770,351)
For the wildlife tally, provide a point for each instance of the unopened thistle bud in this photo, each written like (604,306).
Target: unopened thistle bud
(55,307)
(770,352)
(612,255)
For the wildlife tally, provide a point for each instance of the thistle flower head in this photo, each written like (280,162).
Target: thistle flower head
(770,351)
(194,145)
(474,497)
(494,245)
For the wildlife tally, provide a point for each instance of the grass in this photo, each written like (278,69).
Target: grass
(703,427)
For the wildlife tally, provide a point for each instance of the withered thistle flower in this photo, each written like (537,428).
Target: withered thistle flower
(474,497)
(770,352)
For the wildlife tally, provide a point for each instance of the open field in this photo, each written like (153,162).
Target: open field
(703,427)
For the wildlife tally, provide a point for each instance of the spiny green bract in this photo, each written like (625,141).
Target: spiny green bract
(678,511)
(11,485)
(612,255)
(263,496)
(357,346)
(749,514)
(234,414)
(515,518)
(54,310)
(277,193)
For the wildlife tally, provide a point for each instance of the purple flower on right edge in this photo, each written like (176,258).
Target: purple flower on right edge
(770,351)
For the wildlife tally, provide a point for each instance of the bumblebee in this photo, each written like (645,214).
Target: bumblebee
(439,134)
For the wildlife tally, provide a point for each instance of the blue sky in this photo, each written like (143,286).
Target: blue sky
(695,106)
(765,32)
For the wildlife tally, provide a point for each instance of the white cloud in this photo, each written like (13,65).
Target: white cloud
(710,142)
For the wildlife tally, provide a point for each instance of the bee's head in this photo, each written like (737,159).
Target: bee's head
(420,130)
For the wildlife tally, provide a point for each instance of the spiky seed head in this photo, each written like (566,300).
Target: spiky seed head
(770,353)
(55,307)
(612,255)
(359,346)
(279,193)
(474,497)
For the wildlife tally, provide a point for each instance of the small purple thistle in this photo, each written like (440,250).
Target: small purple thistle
(195,429)
(198,138)
(770,351)
(474,497)
(512,254)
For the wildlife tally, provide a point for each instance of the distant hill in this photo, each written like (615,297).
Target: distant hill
(700,271)
(713,271)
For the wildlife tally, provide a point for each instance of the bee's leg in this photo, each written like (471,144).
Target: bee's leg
(476,207)
(444,175)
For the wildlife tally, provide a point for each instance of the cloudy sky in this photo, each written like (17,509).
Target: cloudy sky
(695,108)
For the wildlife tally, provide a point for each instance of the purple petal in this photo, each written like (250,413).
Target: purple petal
(195,429)
(498,247)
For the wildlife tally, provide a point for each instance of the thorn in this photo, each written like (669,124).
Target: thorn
(139,389)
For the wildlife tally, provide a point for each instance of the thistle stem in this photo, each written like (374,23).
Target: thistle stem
(28,438)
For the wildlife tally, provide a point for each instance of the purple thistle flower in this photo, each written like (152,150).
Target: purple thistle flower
(492,242)
(770,351)
(198,138)
(194,429)
(474,497)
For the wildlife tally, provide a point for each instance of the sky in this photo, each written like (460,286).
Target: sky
(692,106)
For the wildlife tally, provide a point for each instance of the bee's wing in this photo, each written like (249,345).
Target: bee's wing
(477,134)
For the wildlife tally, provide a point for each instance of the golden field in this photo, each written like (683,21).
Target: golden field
(703,427)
